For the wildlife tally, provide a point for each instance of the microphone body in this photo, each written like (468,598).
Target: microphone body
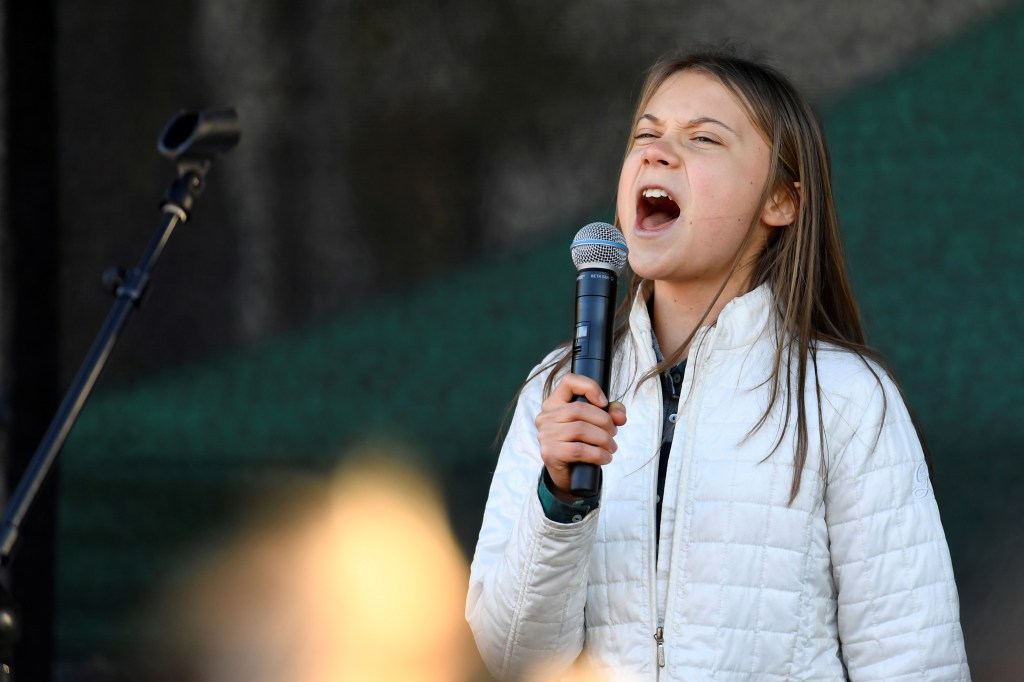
(595,310)
(599,252)
(592,354)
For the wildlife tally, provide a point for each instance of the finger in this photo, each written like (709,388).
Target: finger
(554,412)
(577,432)
(572,385)
(564,443)
(617,412)
(559,456)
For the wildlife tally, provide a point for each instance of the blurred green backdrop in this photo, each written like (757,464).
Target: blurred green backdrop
(385,256)
(930,178)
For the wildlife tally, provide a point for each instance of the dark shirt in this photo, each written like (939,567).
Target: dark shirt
(671,385)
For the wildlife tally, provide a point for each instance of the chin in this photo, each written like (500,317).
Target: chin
(646,270)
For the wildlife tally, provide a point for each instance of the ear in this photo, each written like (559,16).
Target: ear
(780,209)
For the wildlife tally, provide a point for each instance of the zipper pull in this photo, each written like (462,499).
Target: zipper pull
(659,637)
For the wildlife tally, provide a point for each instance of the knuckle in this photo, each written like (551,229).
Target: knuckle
(547,454)
(576,431)
(579,451)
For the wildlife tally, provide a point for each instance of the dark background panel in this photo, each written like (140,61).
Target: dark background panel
(384,256)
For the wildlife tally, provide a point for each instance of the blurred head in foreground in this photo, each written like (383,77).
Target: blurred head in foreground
(358,578)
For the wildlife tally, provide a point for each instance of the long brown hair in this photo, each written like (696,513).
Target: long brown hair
(802,263)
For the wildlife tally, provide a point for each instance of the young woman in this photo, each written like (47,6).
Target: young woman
(766,510)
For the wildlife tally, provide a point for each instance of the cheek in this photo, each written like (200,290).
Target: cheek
(624,201)
(730,197)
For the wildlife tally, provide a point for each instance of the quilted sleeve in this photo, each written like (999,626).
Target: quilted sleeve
(528,579)
(898,608)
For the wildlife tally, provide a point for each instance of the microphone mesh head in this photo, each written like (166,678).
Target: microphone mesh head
(599,245)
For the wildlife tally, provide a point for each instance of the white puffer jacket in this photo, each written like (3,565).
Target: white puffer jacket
(851,581)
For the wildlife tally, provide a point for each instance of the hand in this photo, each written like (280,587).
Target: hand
(571,432)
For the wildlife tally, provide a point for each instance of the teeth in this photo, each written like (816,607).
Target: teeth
(655,193)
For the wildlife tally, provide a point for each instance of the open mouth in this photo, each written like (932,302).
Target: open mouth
(655,208)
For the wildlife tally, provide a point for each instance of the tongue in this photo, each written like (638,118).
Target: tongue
(657,219)
(658,212)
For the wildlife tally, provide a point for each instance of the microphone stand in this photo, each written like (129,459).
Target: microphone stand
(192,139)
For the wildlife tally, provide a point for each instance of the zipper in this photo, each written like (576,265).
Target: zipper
(696,363)
(659,637)
(653,538)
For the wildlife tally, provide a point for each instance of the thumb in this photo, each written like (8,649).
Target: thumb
(617,411)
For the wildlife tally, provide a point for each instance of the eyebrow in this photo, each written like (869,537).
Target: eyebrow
(691,124)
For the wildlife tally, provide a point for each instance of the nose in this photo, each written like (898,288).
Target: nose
(661,152)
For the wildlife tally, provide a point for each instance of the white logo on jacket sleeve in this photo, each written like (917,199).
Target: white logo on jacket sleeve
(923,487)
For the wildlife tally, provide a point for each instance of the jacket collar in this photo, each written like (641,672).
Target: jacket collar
(742,321)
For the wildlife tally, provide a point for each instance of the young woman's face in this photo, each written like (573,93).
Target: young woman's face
(691,183)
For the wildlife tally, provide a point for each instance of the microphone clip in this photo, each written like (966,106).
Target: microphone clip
(192,139)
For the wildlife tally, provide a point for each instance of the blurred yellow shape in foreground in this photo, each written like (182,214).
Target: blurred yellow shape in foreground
(360,579)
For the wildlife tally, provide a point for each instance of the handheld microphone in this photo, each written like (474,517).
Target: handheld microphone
(599,254)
